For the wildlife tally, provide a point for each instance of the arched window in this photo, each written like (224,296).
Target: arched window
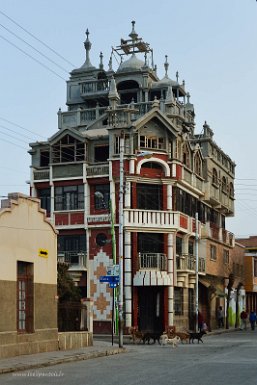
(186,155)
(231,190)
(198,164)
(224,185)
(214,177)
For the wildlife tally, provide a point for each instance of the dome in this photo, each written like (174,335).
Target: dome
(132,64)
(165,82)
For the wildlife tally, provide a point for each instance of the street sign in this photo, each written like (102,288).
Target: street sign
(111,279)
(112,285)
(113,270)
(43,253)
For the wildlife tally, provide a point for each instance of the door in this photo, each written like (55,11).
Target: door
(150,309)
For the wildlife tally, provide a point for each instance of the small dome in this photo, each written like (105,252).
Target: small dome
(165,82)
(132,64)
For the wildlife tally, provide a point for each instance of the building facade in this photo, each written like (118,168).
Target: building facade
(28,278)
(126,150)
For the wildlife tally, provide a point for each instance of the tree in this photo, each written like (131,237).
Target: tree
(67,291)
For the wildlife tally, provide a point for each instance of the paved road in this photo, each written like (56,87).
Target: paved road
(221,360)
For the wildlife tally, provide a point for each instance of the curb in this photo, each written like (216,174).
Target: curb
(56,361)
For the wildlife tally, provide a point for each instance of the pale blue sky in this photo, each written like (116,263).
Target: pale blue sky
(213,45)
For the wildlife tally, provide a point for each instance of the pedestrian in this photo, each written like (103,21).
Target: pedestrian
(252,319)
(220,317)
(243,316)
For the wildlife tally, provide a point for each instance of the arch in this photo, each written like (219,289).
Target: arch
(159,161)
(231,190)
(186,155)
(198,164)
(214,176)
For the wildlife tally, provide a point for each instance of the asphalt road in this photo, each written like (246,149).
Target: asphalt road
(226,359)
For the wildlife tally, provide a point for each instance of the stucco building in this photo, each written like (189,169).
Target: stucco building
(28,278)
(129,136)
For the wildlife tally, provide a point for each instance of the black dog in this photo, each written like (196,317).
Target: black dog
(151,336)
(196,336)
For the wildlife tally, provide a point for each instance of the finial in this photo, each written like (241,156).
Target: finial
(188,98)
(110,64)
(166,66)
(87,45)
(177,76)
(183,83)
(145,59)
(101,66)
(133,33)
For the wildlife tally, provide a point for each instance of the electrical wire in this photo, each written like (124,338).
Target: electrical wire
(35,49)
(31,57)
(23,128)
(36,38)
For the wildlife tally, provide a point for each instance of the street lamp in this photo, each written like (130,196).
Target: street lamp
(196,272)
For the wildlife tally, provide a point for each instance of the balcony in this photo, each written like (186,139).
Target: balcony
(158,220)
(99,170)
(76,260)
(69,218)
(41,175)
(152,261)
(186,263)
(94,87)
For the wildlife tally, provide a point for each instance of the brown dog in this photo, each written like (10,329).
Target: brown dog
(136,335)
(183,336)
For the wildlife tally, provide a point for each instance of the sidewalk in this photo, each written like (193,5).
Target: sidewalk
(39,360)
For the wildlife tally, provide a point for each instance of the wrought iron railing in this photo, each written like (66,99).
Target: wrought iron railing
(187,263)
(152,261)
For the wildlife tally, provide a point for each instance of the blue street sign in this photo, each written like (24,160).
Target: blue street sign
(109,278)
(112,285)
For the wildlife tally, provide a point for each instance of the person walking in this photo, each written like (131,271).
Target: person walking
(252,319)
(243,316)
(220,317)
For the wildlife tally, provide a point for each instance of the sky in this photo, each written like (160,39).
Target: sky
(212,44)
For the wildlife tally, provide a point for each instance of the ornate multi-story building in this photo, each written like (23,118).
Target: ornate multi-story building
(128,125)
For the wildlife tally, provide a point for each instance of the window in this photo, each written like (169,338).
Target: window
(213,253)
(198,164)
(178,245)
(186,155)
(255,267)
(150,243)
(178,300)
(45,197)
(101,153)
(69,198)
(224,185)
(214,177)
(226,257)
(25,297)
(149,196)
(44,158)
(152,142)
(231,190)
(68,149)
(102,196)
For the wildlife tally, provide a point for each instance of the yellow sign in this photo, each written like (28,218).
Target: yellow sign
(43,253)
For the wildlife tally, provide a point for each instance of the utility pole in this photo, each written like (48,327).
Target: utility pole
(196,272)
(121,223)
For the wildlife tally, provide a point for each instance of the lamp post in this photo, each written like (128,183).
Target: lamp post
(121,246)
(196,272)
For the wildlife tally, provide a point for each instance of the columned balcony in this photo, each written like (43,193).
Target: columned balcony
(135,219)
(152,261)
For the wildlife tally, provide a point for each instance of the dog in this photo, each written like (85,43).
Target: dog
(147,336)
(136,335)
(169,341)
(184,336)
(196,336)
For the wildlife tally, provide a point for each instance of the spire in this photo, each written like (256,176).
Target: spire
(133,34)
(87,45)
(177,76)
(110,64)
(166,66)
(101,66)
(169,95)
(113,94)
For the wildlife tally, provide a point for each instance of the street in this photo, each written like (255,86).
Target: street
(228,358)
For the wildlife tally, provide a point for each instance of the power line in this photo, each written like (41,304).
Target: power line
(37,39)
(18,133)
(31,57)
(23,128)
(35,49)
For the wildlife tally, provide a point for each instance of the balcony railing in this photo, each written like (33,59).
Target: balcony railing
(152,261)
(41,174)
(94,87)
(77,258)
(102,169)
(187,263)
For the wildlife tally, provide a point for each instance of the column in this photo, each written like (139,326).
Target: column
(127,279)
(171,275)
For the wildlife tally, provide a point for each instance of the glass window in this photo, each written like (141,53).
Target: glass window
(25,297)
(213,253)
(149,197)
(69,198)
(101,196)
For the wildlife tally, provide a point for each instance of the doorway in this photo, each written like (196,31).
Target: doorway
(150,312)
